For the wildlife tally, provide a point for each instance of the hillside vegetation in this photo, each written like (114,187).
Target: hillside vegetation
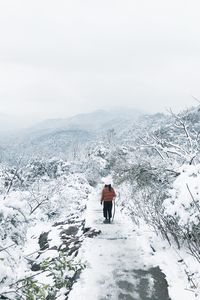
(45,181)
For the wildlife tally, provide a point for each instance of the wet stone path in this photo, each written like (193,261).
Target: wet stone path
(115,263)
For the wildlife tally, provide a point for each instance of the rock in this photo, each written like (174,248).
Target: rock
(72,230)
(86,229)
(92,232)
(35,267)
(3,297)
(43,241)
(53,248)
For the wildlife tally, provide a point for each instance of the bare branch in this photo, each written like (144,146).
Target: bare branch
(39,204)
(4,249)
(17,209)
(192,197)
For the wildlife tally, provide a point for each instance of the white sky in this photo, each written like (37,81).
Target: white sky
(59,58)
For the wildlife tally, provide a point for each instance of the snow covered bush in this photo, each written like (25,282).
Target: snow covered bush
(52,168)
(95,164)
(147,186)
(182,207)
(177,142)
(21,177)
(161,179)
(50,194)
(58,269)
(13,228)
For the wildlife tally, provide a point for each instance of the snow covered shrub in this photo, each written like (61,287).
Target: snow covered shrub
(15,178)
(177,142)
(182,207)
(148,188)
(95,165)
(13,228)
(51,168)
(50,193)
(119,157)
(60,271)
(13,212)
(66,195)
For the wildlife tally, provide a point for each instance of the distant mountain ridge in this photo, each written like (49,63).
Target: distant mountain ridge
(87,121)
(57,137)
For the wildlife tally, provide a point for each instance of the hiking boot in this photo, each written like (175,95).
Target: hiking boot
(105,221)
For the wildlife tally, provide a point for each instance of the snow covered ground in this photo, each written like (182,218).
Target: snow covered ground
(121,262)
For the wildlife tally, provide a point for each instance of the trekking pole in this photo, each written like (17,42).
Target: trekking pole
(113,211)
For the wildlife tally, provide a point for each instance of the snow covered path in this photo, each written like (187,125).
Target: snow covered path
(116,266)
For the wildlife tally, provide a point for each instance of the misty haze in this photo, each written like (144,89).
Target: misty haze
(99,150)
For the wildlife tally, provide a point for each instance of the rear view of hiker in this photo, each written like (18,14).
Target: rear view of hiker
(107,198)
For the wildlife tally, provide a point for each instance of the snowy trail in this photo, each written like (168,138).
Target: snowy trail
(115,263)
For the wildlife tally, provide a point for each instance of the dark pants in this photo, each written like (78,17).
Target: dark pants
(107,209)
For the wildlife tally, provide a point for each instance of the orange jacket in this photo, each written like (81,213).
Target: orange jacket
(107,195)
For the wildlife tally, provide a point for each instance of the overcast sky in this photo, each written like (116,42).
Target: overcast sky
(59,58)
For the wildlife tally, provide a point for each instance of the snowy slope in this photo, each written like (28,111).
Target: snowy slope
(122,265)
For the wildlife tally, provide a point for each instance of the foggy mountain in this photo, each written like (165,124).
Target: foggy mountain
(54,137)
(88,121)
